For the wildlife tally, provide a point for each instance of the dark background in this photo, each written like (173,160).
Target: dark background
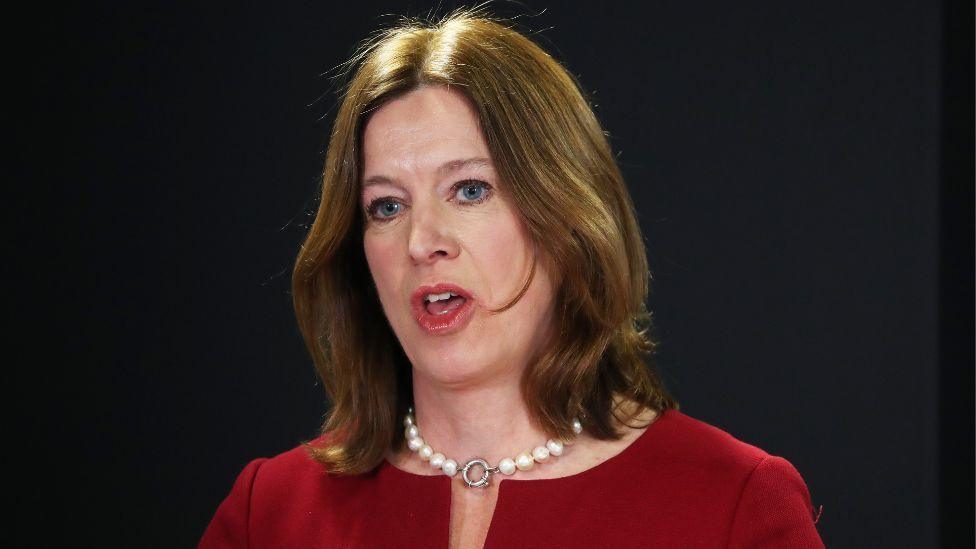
(803,174)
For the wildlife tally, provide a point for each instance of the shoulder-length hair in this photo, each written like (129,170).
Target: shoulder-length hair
(555,161)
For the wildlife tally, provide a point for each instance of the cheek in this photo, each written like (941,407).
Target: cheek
(382,266)
(502,255)
(502,251)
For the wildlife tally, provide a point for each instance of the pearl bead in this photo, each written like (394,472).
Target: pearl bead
(507,466)
(524,461)
(449,467)
(415,443)
(555,447)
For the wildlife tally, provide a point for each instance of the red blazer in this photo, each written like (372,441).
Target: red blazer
(682,483)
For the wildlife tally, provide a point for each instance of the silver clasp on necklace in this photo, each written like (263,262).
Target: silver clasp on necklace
(485,477)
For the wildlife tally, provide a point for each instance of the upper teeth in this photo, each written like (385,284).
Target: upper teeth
(438,297)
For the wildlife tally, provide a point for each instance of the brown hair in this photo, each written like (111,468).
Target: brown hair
(551,153)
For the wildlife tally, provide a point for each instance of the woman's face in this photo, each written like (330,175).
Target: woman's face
(439,222)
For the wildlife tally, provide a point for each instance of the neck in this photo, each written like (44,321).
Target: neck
(489,421)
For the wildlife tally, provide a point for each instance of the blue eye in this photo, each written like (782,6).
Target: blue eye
(472,191)
(384,208)
(389,208)
(466,193)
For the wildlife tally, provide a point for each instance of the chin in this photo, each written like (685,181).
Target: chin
(453,365)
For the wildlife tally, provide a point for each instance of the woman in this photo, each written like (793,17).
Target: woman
(472,293)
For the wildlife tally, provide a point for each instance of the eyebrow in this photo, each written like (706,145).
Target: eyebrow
(443,169)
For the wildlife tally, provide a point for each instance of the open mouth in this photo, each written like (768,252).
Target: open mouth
(442,309)
(439,304)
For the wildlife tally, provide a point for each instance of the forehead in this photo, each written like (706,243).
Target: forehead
(420,131)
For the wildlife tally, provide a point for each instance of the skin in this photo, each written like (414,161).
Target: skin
(465,383)
(423,229)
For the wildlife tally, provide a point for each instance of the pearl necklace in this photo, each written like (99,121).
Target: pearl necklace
(508,466)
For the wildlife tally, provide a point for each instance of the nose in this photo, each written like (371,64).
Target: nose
(431,234)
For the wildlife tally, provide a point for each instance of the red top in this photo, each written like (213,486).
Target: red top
(681,483)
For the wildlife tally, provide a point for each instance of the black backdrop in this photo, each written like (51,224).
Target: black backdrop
(803,174)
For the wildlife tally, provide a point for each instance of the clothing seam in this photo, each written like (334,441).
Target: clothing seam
(738,503)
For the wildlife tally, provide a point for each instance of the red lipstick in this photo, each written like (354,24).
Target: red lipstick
(448,321)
